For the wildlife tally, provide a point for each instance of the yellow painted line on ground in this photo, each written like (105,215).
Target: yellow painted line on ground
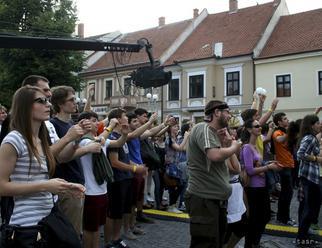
(164,213)
(270,227)
(289,229)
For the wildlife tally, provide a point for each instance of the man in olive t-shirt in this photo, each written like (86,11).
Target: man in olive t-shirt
(208,185)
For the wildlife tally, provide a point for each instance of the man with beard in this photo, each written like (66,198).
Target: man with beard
(208,184)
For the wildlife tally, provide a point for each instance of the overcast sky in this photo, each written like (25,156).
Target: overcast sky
(104,16)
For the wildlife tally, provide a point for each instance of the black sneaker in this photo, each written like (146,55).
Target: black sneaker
(120,244)
(144,219)
(111,245)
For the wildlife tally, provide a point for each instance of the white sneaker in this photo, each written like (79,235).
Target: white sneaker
(137,231)
(173,209)
(129,235)
(149,198)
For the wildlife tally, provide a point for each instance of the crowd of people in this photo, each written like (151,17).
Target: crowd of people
(99,172)
(235,173)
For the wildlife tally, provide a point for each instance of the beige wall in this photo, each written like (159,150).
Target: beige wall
(214,78)
(247,81)
(304,82)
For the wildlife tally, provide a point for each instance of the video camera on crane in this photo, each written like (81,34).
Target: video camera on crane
(150,76)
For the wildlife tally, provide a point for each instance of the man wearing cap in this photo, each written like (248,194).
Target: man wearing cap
(208,186)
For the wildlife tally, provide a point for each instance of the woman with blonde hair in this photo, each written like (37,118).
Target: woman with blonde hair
(26,164)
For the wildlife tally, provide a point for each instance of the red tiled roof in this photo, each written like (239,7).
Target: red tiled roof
(239,32)
(161,39)
(296,33)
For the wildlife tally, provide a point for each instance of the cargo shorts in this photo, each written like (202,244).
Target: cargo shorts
(208,220)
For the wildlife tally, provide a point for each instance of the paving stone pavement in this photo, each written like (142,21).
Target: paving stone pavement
(166,234)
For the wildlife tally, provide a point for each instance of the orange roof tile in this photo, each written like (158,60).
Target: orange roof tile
(296,33)
(161,39)
(239,32)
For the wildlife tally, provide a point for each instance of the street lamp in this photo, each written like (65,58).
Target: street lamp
(80,104)
(152,100)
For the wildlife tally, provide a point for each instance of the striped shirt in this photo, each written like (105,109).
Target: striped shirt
(309,169)
(28,209)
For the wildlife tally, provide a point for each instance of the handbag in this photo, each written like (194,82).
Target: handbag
(149,155)
(244,178)
(58,231)
(172,170)
(53,231)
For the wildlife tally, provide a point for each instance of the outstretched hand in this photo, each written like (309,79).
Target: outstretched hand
(60,186)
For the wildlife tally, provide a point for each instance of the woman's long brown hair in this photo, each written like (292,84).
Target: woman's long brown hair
(21,120)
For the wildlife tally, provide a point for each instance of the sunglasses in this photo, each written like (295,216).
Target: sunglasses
(42,100)
(257,126)
(73,99)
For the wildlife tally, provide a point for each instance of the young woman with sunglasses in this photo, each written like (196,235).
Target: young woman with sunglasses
(257,192)
(26,162)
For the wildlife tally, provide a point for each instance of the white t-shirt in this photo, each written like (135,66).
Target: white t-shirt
(236,207)
(92,188)
(52,132)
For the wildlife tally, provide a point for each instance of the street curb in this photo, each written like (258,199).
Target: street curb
(271,229)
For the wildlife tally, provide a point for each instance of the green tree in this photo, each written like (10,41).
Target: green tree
(43,18)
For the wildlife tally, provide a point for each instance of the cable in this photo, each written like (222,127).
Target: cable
(117,76)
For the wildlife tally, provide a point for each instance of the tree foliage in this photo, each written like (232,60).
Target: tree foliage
(44,18)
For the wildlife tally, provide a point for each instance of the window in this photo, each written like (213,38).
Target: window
(127,87)
(174,89)
(108,88)
(196,86)
(232,83)
(283,85)
(320,82)
(92,91)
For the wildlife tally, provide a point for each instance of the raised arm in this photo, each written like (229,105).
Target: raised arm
(121,141)
(233,164)
(268,137)
(182,146)
(139,131)
(269,113)
(88,103)
(160,129)
(116,163)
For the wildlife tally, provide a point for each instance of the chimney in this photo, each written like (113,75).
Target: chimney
(80,30)
(161,21)
(233,5)
(217,49)
(195,13)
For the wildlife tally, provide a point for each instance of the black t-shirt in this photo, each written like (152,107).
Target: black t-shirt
(71,171)
(124,156)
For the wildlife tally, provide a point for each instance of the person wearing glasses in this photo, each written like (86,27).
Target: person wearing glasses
(63,148)
(64,104)
(26,163)
(256,191)
(208,189)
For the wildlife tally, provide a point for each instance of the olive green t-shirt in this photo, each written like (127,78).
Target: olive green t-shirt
(207,179)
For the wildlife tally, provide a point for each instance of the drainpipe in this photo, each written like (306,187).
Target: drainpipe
(254,75)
